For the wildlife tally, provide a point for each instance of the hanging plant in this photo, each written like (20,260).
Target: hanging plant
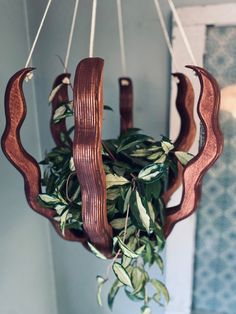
(137,169)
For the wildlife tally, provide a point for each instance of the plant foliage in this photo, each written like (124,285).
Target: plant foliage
(137,169)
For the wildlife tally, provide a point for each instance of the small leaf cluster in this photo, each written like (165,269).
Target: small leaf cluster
(137,171)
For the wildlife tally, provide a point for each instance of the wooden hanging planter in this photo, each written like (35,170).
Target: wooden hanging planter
(87,143)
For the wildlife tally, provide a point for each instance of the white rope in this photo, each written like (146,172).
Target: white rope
(166,34)
(182,31)
(72,29)
(93,26)
(121,35)
(38,33)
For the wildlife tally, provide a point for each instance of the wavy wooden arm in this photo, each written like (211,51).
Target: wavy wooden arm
(208,110)
(186,137)
(13,149)
(88,111)
(60,97)
(126,104)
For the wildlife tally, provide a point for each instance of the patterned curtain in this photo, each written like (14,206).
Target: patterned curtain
(214,290)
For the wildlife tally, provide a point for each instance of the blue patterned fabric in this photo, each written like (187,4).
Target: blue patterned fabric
(214,290)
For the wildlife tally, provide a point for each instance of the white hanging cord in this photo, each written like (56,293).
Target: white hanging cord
(182,31)
(121,35)
(72,29)
(93,26)
(166,34)
(38,33)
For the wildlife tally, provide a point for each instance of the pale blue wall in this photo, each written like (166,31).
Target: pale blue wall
(24,244)
(27,277)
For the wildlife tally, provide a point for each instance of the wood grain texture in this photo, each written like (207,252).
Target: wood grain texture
(12,147)
(126,104)
(60,97)
(186,137)
(87,144)
(208,111)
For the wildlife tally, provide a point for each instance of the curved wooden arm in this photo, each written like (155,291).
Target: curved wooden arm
(13,149)
(208,110)
(60,97)
(88,110)
(185,139)
(126,104)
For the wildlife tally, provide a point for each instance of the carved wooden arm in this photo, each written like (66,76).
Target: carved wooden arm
(208,110)
(126,104)
(13,149)
(88,111)
(60,97)
(185,139)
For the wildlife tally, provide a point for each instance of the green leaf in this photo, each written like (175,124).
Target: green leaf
(151,211)
(126,261)
(127,200)
(72,165)
(140,250)
(100,281)
(143,213)
(60,208)
(145,310)
(49,199)
(119,223)
(113,179)
(121,274)
(167,146)
(113,292)
(160,287)
(161,159)
(155,156)
(159,262)
(59,112)
(125,250)
(138,279)
(149,172)
(183,157)
(63,221)
(96,252)
(135,297)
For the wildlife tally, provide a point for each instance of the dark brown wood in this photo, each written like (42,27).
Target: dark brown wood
(186,137)
(208,111)
(126,104)
(60,97)
(12,147)
(88,112)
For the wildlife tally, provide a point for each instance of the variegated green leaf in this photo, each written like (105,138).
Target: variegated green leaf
(160,287)
(143,213)
(183,157)
(114,180)
(122,274)
(49,199)
(113,292)
(119,223)
(167,146)
(127,199)
(125,250)
(72,165)
(100,281)
(96,252)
